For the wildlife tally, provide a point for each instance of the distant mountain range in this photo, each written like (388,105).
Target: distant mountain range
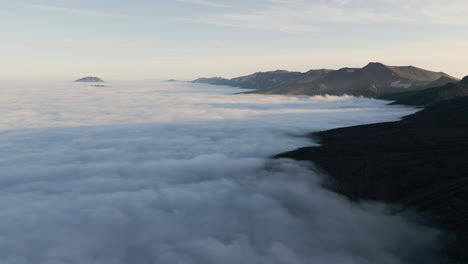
(372,80)
(267,80)
(89,79)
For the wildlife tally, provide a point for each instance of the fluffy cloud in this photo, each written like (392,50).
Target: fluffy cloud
(116,175)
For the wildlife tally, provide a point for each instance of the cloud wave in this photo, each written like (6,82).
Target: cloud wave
(81,184)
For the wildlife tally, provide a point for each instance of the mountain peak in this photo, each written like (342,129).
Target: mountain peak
(375,64)
(373,80)
(89,79)
(464,80)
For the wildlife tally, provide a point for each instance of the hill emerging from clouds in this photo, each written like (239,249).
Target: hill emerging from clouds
(370,81)
(89,79)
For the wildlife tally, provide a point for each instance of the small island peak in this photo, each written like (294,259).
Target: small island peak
(89,79)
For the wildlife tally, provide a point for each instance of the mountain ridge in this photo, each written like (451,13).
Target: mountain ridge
(372,80)
(430,95)
(266,80)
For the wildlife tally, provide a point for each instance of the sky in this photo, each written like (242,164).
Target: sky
(186,39)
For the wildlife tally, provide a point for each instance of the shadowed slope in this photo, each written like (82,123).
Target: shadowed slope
(431,95)
(419,162)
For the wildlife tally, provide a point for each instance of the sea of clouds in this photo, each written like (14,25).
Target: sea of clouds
(150,172)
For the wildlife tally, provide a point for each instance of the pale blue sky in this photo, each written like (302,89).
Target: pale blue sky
(185,39)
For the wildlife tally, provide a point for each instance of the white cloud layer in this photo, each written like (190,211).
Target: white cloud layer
(176,173)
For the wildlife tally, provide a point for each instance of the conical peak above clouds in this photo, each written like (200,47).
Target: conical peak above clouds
(89,79)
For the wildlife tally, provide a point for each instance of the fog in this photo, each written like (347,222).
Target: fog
(149,172)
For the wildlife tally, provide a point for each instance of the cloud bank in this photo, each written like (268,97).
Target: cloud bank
(114,176)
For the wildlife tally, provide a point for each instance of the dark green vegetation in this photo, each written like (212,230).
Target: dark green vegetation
(373,80)
(419,162)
